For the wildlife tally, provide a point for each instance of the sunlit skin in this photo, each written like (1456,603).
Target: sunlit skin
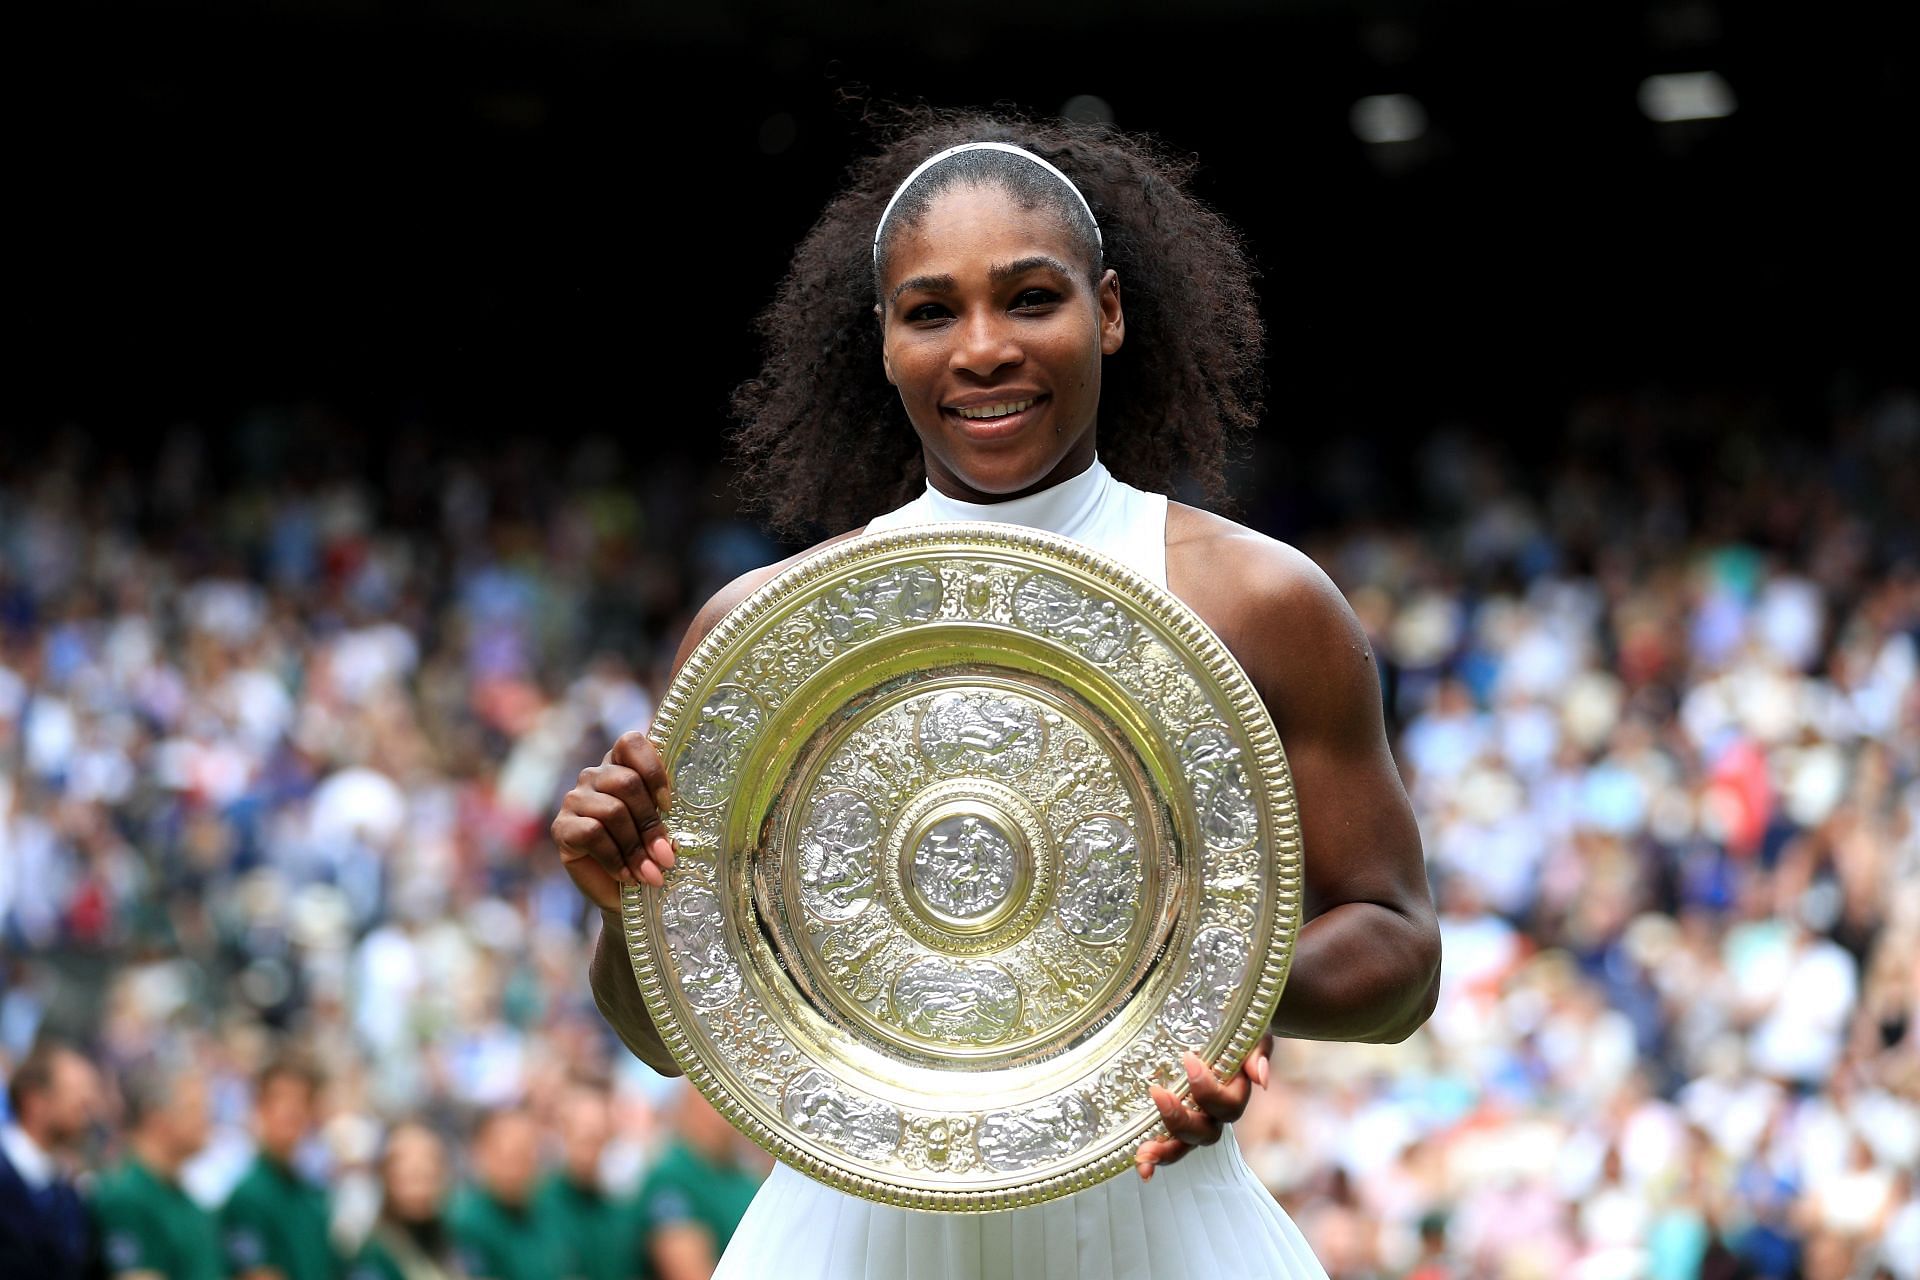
(171,1136)
(58,1117)
(585,1123)
(282,1115)
(506,1158)
(960,327)
(415,1174)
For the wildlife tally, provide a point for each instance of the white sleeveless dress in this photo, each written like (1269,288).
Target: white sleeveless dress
(1203,1218)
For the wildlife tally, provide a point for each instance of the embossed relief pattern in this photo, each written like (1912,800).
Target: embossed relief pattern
(819,1108)
(836,855)
(862,956)
(1216,965)
(879,760)
(1090,623)
(942,1144)
(964,866)
(960,1002)
(696,935)
(1082,809)
(860,608)
(976,592)
(978,732)
(1042,1134)
(758,1051)
(728,720)
(1100,878)
(1222,793)
(1163,684)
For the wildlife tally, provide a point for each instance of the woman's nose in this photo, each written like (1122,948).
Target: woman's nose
(984,342)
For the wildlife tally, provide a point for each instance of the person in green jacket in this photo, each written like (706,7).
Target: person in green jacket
(148,1226)
(410,1241)
(498,1233)
(275,1222)
(599,1229)
(694,1195)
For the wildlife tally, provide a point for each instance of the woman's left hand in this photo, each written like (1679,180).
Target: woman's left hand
(1197,1122)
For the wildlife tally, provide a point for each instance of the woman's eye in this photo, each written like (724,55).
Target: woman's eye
(927,311)
(1036,297)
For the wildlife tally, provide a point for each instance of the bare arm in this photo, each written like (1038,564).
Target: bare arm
(1367,964)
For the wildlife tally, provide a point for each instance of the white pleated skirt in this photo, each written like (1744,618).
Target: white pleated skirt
(1203,1218)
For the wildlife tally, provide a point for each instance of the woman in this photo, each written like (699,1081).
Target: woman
(979,289)
(408,1240)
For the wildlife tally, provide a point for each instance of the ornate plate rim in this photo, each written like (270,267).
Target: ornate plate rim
(1268,760)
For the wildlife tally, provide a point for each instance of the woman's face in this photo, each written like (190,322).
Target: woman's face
(416,1175)
(987,305)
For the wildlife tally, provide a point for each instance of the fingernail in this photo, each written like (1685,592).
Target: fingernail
(1193,1065)
(1266,1070)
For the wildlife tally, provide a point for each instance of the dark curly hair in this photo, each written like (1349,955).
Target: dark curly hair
(824,442)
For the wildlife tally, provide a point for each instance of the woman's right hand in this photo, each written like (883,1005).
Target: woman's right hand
(610,829)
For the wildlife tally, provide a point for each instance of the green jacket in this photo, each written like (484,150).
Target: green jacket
(685,1187)
(601,1231)
(275,1218)
(496,1242)
(147,1223)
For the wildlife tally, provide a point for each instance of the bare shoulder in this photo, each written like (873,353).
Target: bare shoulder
(1231,574)
(1278,612)
(728,597)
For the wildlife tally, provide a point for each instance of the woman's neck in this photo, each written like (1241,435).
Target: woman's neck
(942,479)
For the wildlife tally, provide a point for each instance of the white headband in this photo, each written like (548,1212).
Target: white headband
(1007,147)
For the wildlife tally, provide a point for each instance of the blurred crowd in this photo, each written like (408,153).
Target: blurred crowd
(284,715)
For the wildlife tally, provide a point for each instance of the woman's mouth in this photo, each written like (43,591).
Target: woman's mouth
(998,418)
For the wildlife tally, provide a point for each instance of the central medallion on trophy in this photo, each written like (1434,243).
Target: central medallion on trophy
(970,862)
(964,865)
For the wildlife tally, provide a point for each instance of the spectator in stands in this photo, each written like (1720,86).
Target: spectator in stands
(599,1229)
(149,1226)
(497,1229)
(276,1222)
(695,1194)
(409,1241)
(53,1101)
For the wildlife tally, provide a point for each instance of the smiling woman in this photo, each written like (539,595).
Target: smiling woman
(1066,332)
(821,445)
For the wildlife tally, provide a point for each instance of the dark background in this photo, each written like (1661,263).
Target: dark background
(484,218)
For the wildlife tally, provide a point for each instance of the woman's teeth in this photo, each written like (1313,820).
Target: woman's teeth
(994,410)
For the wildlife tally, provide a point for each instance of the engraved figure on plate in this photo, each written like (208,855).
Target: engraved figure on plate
(967,1004)
(857,608)
(1052,1130)
(728,720)
(1097,628)
(814,1105)
(696,929)
(1099,880)
(964,866)
(836,863)
(974,731)
(1222,795)
(1216,965)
